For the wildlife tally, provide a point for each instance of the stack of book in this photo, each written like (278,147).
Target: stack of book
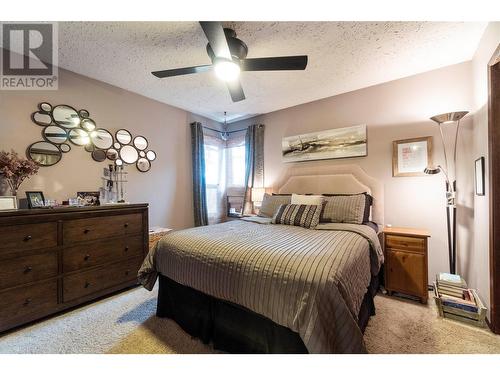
(455,300)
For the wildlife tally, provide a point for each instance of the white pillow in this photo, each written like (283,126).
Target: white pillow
(307,199)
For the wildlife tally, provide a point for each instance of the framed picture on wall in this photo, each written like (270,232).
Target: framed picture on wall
(479,176)
(411,156)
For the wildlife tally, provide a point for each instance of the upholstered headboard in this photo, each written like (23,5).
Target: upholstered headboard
(335,179)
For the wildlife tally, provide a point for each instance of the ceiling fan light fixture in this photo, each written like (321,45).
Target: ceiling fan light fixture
(227,70)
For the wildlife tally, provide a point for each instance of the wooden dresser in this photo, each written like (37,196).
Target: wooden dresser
(53,259)
(406,261)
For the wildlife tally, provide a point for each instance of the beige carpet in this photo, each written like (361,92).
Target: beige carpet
(125,323)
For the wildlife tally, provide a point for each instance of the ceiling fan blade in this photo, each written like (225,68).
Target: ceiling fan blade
(236,90)
(274,63)
(181,71)
(217,39)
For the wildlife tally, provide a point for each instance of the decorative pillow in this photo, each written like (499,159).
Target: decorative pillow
(271,203)
(344,208)
(301,215)
(307,199)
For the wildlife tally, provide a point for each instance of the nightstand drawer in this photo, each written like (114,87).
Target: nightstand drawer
(400,242)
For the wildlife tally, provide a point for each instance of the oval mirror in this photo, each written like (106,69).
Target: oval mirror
(112,154)
(44,153)
(142,154)
(123,136)
(83,113)
(151,155)
(88,124)
(99,155)
(117,145)
(143,165)
(128,154)
(101,139)
(140,143)
(45,107)
(65,147)
(55,134)
(79,137)
(118,162)
(66,116)
(41,118)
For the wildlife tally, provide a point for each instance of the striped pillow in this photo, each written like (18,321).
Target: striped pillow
(301,215)
(271,203)
(346,209)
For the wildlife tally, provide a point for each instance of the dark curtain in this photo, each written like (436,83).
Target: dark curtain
(254,162)
(199,185)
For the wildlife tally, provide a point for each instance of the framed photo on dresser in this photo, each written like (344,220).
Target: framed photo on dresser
(411,156)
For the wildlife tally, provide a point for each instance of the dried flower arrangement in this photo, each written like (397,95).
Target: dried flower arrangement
(15,169)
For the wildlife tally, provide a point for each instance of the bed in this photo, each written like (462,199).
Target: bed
(249,286)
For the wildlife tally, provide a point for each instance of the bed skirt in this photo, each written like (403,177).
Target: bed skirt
(232,328)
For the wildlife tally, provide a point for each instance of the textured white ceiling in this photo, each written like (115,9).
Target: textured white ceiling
(343,56)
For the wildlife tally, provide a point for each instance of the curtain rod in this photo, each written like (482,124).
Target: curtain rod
(220,131)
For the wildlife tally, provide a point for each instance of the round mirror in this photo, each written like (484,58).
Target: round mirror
(101,138)
(66,116)
(44,153)
(143,165)
(123,136)
(112,154)
(41,118)
(45,107)
(99,155)
(55,134)
(88,124)
(129,155)
(83,113)
(140,143)
(117,145)
(151,155)
(142,154)
(79,137)
(65,147)
(118,162)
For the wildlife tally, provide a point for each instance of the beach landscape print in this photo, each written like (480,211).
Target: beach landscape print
(338,143)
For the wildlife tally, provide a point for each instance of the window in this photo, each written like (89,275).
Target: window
(214,178)
(236,166)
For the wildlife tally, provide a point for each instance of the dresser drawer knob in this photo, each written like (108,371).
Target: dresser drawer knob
(85,231)
(28,238)
(125,225)
(27,302)
(87,284)
(28,269)
(86,257)
(127,272)
(126,248)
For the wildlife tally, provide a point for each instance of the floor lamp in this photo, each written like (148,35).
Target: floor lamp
(451,185)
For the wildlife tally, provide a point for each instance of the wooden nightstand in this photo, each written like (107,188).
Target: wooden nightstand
(406,261)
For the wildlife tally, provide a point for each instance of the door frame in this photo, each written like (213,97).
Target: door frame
(494,186)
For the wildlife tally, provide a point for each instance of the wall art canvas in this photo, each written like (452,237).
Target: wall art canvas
(337,143)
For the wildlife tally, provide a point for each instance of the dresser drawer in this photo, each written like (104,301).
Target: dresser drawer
(402,242)
(88,282)
(17,238)
(406,272)
(23,304)
(22,270)
(101,227)
(99,252)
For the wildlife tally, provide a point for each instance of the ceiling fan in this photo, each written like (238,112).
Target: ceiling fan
(228,55)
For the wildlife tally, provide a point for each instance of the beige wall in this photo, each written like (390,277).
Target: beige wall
(167,187)
(392,111)
(476,263)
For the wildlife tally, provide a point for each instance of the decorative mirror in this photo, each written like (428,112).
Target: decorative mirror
(101,139)
(55,134)
(63,125)
(123,136)
(143,165)
(140,143)
(129,154)
(66,116)
(41,118)
(44,153)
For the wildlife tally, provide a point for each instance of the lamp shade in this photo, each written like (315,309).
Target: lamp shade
(449,117)
(432,170)
(258,194)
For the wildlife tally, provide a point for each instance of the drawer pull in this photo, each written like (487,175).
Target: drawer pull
(87,284)
(126,248)
(127,272)
(28,269)
(125,225)
(27,238)
(27,302)
(86,257)
(86,231)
